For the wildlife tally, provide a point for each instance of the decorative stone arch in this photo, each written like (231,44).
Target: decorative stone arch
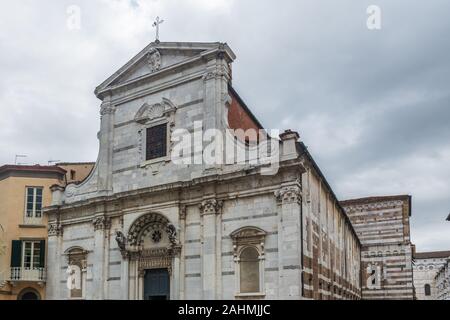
(150,112)
(246,240)
(151,243)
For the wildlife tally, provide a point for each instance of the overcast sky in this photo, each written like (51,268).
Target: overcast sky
(373,106)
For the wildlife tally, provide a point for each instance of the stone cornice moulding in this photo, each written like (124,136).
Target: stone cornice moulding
(374,205)
(177,186)
(209,52)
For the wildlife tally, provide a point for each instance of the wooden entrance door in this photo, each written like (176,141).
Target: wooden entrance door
(157,284)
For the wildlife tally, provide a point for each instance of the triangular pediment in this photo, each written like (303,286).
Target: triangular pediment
(158,57)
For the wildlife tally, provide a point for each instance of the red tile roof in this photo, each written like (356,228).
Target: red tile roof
(35,168)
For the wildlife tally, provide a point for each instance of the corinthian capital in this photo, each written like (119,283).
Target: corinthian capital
(55,229)
(289,194)
(211,206)
(101,223)
(107,108)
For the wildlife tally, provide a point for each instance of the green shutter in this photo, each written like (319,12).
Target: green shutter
(16,254)
(42,254)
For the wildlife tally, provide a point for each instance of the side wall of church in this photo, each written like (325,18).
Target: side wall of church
(332,250)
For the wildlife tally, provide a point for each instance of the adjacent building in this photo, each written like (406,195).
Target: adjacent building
(382,225)
(425,269)
(145,226)
(442,281)
(24,192)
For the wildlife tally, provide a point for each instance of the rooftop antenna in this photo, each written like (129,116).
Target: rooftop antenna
(19,156)
(49,162)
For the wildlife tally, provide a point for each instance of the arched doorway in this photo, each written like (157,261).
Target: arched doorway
(152,250)
(29,294)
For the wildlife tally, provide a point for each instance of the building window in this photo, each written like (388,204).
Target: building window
(248,244)
(34,202)
(31,255)
(28,260)
(249,270)
(156,142)
(72,174)
(427,290)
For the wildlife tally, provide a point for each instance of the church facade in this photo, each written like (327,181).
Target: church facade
(147,225)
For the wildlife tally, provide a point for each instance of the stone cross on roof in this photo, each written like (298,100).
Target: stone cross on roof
(156,25)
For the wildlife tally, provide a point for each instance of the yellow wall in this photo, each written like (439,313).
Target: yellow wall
(82,170)
(12,213)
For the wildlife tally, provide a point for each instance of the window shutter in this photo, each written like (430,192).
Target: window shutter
(16,254)
(42,254)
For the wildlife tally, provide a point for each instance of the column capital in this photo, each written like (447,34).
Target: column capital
(107,107)
(211,206)
(55,229)
(289,194)
(101,223)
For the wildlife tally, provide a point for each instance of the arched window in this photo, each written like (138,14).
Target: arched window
(76,272)
(249,270)
(427,290)
(248,244)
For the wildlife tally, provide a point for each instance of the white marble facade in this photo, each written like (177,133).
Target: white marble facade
(132,215)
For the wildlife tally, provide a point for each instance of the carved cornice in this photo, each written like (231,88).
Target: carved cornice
(373,206)
(219,73)
(248,236)
(160,110)
(211,206)
(289,194)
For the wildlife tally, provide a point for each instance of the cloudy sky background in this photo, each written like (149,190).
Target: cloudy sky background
(373,106)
